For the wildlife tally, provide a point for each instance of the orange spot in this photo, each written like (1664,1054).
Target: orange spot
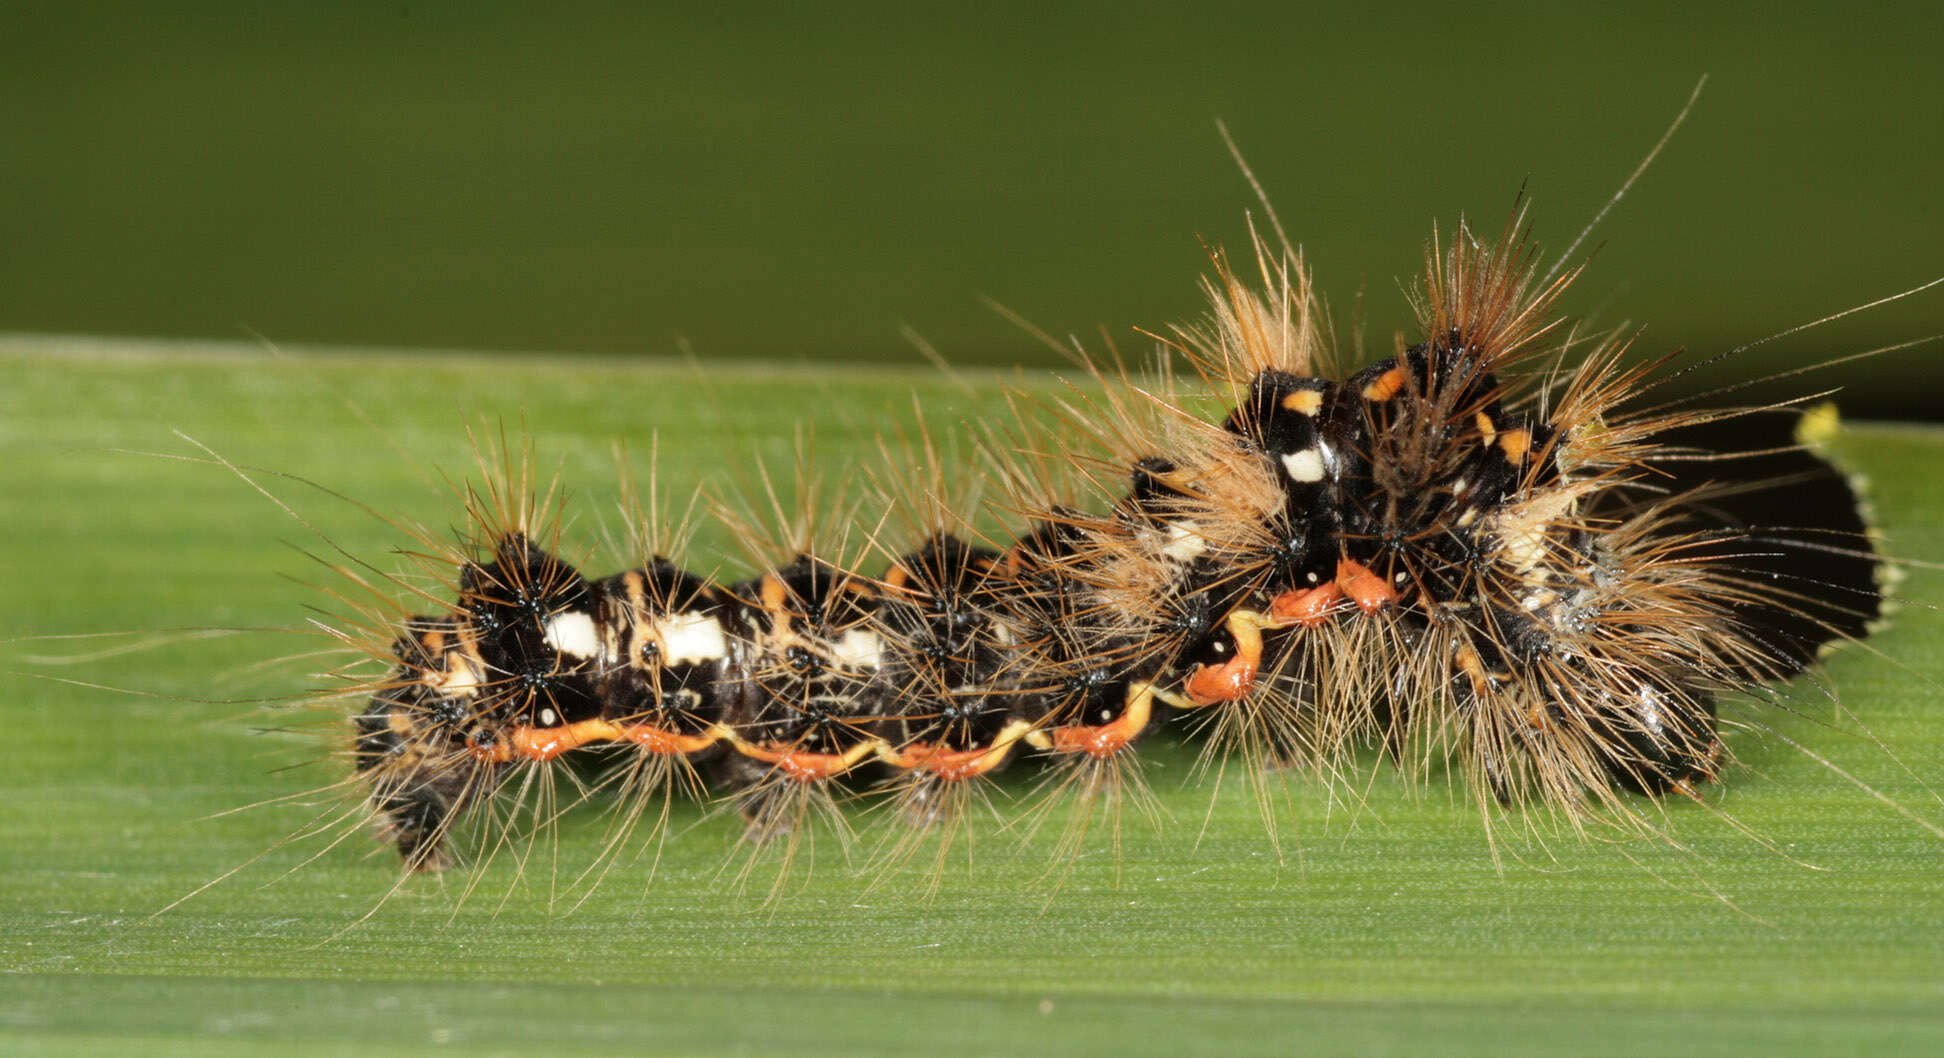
(1303,401)
(1306,608)
(1097,742)
(775,595)
(1233,678)
(954,765)
(664,742)
(1226,682)
(1013,563)
(1369,591)
(1483,681)
(1104,740)
(1516,443)
(526,742)
(798,765)
(1713,768)
(1474,670)
(951,765)
(1385,386)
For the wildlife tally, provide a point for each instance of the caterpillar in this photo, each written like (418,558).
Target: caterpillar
(1474,555)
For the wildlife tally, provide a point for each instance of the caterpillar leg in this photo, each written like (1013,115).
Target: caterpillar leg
(1660,736)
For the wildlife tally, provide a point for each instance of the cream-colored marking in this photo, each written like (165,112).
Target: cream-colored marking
(1306,465)
(687,638)
(549,718)
(1185,542)
(461,677)
(630,637)
(1486,429)
(1522,530)
(613,635)
(573,634)
(689,699)
(775,599)
(1303,401)
(857,648)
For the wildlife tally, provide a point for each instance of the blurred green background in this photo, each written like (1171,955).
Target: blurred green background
(803,183)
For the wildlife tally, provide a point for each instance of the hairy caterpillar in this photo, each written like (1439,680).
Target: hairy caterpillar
(1470,554)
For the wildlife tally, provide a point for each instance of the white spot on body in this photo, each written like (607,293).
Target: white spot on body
(459,679)
(687,638)
(857,648)
(1523,530)
(1003,634)
(1652,711)
(1305,466)
(1185,542)
(573,634)
(549,718)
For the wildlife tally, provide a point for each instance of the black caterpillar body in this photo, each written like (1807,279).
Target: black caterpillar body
(1463,554)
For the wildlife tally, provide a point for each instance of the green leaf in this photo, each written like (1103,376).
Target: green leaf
(1802,907)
